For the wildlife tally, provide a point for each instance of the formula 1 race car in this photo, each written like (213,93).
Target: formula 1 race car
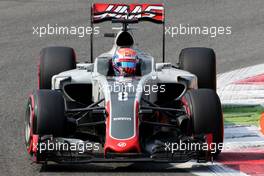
(85,112)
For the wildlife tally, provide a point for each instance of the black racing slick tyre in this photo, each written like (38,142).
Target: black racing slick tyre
(202,63)
(204,109)
(45,114)
(52,61)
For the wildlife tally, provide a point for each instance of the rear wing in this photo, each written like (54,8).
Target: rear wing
(128,13)
(133,12)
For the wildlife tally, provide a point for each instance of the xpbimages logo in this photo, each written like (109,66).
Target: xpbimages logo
(187,29)
(146,89)
(79,147)
(181,146)
(79,31)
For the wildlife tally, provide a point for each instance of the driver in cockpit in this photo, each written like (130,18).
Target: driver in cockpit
(125,62)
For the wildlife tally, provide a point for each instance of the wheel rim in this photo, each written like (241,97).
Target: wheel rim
(28,126)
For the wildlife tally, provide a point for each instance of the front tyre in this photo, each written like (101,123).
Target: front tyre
(204,109)
(29,118)
(45,115)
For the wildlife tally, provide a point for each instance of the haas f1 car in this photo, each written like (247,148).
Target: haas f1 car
(87,113)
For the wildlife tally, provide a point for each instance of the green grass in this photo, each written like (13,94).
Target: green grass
(242,115)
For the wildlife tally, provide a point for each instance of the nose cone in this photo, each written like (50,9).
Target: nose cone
(122,146)
(122,127)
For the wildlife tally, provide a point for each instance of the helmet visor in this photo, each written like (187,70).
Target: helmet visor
(126,64)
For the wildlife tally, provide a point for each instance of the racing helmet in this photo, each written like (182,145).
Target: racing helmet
(125,62)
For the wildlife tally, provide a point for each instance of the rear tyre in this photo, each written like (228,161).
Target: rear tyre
(202,63)
(204,109)
(54,60)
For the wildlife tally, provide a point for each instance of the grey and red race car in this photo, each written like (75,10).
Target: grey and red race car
(83,112)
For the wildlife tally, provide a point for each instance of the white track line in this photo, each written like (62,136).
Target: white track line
(240,94)
(208,169)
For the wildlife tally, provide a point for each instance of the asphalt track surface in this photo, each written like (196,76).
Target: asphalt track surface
(19,50)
